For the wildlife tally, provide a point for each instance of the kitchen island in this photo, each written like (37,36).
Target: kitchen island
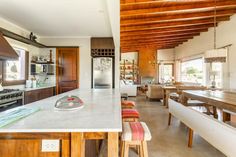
(100,118)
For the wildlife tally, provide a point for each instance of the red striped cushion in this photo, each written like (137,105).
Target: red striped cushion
(137,131)
(128,103)
(130,113)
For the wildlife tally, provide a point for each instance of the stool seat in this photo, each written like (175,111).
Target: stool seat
(127,104)
(135,131)
(130,113)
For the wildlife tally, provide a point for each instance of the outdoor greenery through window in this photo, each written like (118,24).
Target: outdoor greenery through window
(192,71)
(216,74)
(165,73)
(15,70)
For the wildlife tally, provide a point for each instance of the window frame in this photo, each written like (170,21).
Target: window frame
(173,68)
(203,70)
(16,82)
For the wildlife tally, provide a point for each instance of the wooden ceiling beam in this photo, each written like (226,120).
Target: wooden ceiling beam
(154,42)
(168,30)
(159,36)
(157,39)
(149,19)
(173,24)
(173,6)
(163,34)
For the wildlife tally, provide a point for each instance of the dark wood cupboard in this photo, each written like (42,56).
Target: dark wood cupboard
(38,94)
(67,69)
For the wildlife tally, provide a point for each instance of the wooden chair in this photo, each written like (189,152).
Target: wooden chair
(135,134)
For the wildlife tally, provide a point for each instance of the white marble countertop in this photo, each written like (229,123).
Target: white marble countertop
(44,87)
(101,113)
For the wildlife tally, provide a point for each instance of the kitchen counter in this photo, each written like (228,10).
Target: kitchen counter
(43,87)
(101,113)
(100,118)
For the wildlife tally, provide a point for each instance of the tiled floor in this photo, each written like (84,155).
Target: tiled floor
(169,141)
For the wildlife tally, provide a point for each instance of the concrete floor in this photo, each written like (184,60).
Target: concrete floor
(169,141)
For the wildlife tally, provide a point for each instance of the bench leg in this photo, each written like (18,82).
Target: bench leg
(169,119)
(190,138)
(144,147)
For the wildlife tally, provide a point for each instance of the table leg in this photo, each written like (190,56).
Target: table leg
(164,97)
(190,138)
(184,100)
(167,98)
(226,117)
(113,142)
(77,145)
(65,144)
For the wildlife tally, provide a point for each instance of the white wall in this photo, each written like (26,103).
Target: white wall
(113,8)
(129,56)
(166,55)
(85,56)
(226,34)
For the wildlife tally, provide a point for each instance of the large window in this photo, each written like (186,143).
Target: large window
(166,72)
(216,74)
(192,71)
(16,71)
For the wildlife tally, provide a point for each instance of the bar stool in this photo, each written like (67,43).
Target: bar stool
(130,115)
(135,134)
(128,104)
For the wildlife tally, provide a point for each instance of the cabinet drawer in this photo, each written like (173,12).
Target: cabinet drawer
(35,95)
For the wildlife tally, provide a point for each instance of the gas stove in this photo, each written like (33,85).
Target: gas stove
(10,98)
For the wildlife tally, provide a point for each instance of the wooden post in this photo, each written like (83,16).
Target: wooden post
(226,117)
(65,145)
(190,138)
(164,97)
(169,120)
(184,100)
(77,145)
(113,140)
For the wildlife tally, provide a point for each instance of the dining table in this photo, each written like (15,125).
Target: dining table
(166,90)
(224,100)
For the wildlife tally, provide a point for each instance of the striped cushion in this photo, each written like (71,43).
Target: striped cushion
(127,103)
(130,113)
(135,131)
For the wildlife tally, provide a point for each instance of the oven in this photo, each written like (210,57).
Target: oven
(10,98)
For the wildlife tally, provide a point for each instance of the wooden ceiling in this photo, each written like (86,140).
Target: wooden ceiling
(164,24)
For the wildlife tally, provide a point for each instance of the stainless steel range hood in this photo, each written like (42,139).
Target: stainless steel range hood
(6,51)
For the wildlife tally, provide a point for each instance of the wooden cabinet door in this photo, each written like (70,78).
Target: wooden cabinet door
(45,93)
(31,96)
(39,94)
(67,69)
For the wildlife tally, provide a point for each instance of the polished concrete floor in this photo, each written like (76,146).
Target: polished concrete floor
(169,141)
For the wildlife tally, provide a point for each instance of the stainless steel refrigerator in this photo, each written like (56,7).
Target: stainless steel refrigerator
(102,73)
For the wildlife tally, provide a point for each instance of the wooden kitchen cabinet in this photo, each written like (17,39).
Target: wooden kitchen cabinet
(38,94)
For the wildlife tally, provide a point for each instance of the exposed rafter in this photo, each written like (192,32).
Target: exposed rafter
(167,23)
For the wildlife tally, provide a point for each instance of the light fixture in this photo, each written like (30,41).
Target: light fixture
(215,55)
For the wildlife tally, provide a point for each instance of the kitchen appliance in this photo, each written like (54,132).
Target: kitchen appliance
(42,68)
(6,51)
(102,72)
(10,98)
(68,103)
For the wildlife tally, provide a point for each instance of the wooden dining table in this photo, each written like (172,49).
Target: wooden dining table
(224,100)
(166,90)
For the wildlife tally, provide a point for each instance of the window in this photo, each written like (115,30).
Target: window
(192,71)
(16,71)
(166,73)
(216,74)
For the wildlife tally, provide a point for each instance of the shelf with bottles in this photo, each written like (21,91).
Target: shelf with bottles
(129,70)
